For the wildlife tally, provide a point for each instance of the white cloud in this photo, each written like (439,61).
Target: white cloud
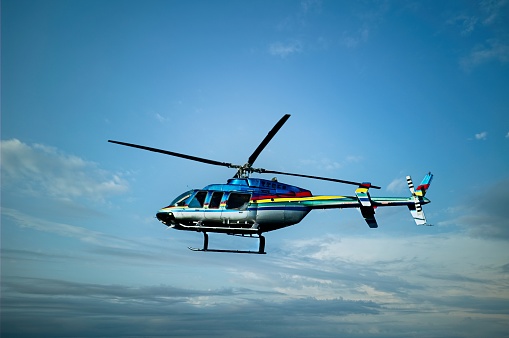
(485,216)
(329,164)
(491,10)
(466,23)
(481,136)
(397,185)
(352,40)
(161,118)
(45,171)
(309,5)
(285,49)
(354,158)
(507,135)
(487,14)
(323,163)
(493,50)
(434,261)
(66,230)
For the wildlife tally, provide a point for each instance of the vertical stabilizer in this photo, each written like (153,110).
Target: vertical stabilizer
(423,187)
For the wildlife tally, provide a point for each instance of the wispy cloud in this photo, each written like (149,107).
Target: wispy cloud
(354,158)
(296,27)
(491,10)
(160,118)
(382,283)
(397,185)
(354,39)
(485,216)
(284,49)
(492,50)
(324,163)
(310,5)
(222,312)
(369,17)
(485,17)
(45,171)
(486,13)
(481,136)
(466,23)
(329,164)
(65,230)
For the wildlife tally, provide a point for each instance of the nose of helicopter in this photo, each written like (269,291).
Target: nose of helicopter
(165,217)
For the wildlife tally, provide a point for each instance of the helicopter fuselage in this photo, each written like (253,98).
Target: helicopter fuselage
(241,206)
(248,206)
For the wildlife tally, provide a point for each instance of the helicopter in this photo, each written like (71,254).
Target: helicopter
(249,207)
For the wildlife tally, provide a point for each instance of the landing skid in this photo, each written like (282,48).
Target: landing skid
(229,251)
(261,248)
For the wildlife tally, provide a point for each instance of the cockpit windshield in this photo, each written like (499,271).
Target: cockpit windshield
(181,199)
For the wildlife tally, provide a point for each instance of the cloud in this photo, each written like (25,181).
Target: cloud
(285,49)
(354,39)
(323,163)
(485,215)
(64,308)
(65,230)
(467,23)
(491,10)
(161,118)
(487,14)
(481,136)
(507,135)
(397,185)
(492,50)
(357,287)
(310,5)
(45,171)
(328,164)
(487,17)
(354,158)
(416,274)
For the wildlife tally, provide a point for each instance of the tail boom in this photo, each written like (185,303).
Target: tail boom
(363,201)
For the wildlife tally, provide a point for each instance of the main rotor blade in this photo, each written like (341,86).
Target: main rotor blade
(187,157)
(263,171)
(267,139)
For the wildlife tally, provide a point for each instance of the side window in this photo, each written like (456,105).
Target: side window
(215,200)
(198,199)
(238,201)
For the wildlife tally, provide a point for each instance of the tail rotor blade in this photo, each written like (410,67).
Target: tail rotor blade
(410,184)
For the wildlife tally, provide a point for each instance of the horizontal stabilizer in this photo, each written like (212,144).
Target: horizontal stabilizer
(369,216)
(367,209)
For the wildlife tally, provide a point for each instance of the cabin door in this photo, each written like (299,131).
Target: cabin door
(236,211)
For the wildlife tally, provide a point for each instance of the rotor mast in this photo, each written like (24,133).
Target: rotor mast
(246,169)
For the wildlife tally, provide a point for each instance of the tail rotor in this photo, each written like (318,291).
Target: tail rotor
(418,198)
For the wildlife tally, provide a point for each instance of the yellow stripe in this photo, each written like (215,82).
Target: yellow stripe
(299,199)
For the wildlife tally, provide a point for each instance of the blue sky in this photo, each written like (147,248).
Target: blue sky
(377,90)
